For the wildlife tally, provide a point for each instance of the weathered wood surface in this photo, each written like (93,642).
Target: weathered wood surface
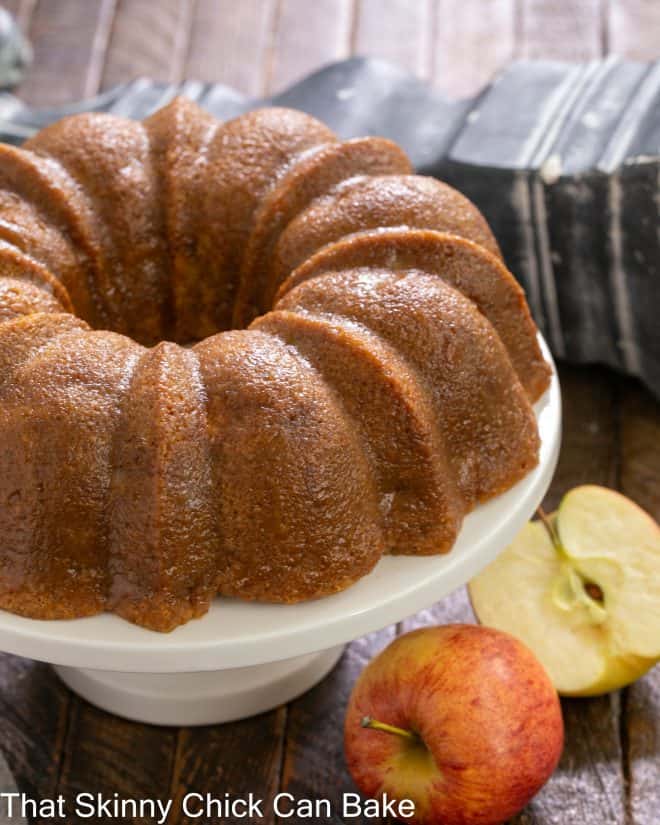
(241,758)
(306,37)
(83,46)
(467,29)
(398,31)
(54,742)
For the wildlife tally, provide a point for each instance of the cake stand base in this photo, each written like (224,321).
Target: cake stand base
(203,698)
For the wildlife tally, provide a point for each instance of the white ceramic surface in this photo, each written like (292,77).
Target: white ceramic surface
(204,698)
(237,634)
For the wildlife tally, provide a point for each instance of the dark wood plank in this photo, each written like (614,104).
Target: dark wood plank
(307,36)
(632,28)
(34,710)
(640,435)
(396,30)
(641,740)
(556,30)
(314,766)
(238,758)
(108,755)
(472,41)
(590,448)
(229,43)
(148,40)
(640,479)
(67,39)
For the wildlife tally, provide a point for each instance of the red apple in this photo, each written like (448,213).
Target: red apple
(462,720)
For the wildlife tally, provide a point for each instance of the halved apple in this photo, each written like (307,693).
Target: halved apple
(582,591)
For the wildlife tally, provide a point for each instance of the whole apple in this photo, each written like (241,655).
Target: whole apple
(462,720)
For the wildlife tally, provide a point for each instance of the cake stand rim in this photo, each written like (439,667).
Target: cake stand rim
(107,642)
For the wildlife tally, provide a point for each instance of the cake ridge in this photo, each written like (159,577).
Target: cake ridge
(56,192)
(23,228)
(181,129)
(62,410)
(9,355)
(374,404)
(19,265)
(275,416)
(329,293)
(242,310)
(374,202)
(245,158)
(108,157)
(159,444)
(311,177)
(465,265)
(417,433)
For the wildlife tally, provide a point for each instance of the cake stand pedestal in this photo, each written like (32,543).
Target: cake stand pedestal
(200,698)
(244,658)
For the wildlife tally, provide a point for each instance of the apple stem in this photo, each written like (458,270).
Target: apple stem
(374,724)
(554,537)
(548,526)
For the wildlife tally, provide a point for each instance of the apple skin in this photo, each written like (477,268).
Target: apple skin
(487,716)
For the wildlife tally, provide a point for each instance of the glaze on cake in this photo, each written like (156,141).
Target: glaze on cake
(242,359)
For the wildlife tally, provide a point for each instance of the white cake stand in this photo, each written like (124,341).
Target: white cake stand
(242,658)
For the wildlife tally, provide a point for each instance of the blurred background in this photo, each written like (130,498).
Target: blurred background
(260,46)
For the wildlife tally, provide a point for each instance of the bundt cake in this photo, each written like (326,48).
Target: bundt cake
(243,359)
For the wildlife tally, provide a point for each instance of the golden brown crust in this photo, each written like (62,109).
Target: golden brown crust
(470,268)
(57,416)
(481,408)
(297,504)
(244,160)
(57,200)
(161,495)
(364,203)
(180,135)
(314,175)
(26,274)
(110,160)
(375,405)
(382,394)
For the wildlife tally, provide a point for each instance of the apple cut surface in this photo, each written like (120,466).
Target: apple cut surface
(618,544)
(515,594)
(589,607)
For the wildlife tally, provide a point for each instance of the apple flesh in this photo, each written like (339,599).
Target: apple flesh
(583,593)
(460,719)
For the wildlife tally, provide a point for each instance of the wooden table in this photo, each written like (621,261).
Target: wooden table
(56,743)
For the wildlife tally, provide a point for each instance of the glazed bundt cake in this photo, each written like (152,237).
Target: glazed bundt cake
(242,359)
